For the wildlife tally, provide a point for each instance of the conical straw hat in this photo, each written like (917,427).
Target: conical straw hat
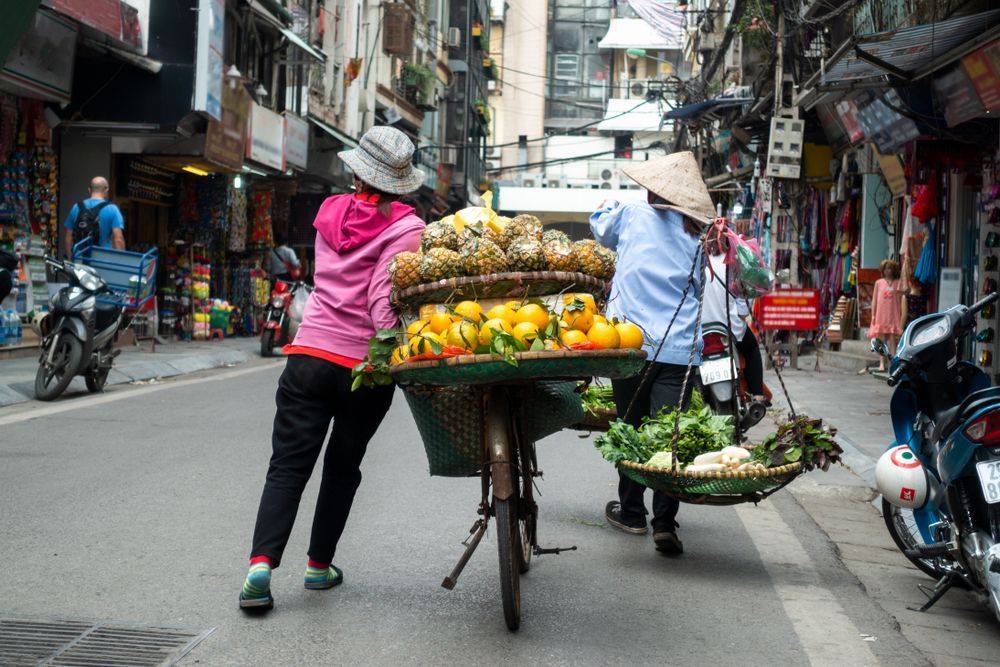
(677,179)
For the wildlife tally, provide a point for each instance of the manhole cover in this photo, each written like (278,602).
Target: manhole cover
(85,644)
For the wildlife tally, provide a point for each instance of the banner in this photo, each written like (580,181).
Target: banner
(296,141)
(958,97)
(225,140)
(208,66)
(981,67)
(266,140)
(790,310)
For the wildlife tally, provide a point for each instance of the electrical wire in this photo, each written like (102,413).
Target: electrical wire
(576,158)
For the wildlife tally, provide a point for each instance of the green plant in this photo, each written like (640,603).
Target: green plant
(757,25)
(422,79)
(801,439)
(374,369)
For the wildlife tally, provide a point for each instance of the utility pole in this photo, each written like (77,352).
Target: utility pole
(779,65)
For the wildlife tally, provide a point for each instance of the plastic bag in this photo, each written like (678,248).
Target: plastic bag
(297,308)
(749,275)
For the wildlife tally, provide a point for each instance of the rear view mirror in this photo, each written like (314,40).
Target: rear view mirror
(879,347)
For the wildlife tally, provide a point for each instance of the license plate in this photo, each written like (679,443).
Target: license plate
(716,370)
(989,479)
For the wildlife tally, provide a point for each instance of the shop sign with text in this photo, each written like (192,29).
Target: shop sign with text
(296,141)
(266,140)
(790,310)
(225,140)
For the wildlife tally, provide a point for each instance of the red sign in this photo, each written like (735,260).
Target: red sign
(790,310)
(981,67)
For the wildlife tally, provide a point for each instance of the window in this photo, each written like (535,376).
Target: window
(580,73)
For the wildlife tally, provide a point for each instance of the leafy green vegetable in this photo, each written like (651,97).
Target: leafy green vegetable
(374,370)
(801,439)
(597,397)
(700,431)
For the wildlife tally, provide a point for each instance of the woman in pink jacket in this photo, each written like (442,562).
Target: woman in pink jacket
(357,236)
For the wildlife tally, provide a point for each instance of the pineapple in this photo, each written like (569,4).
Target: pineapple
(405,269)
(439,263)
(525,253)
(521,225)
(481,257)
(559,255)
(590,258)
(440,234)
(554,235)
(607,258)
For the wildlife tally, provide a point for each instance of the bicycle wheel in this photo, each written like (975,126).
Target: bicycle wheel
(505,510)
(528,510)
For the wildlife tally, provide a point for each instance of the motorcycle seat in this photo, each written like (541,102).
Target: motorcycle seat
(948,420)
(106,313)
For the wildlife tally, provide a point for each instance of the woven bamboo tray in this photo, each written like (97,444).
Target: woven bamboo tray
(475,369)
(598,420)
(497,286)
(715,488)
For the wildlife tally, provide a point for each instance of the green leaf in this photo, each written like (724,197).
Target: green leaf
(435,346)
(537,345)
(357,382)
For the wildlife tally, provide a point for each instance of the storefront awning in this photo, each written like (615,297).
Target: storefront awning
(631,116)
(342,137)
(637,34)
(908,53)
(302,44)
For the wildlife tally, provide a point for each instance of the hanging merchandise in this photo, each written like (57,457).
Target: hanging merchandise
(927,269)
(238,221)
(261,232)
(925,200)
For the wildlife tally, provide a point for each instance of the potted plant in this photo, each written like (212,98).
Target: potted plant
(418,84)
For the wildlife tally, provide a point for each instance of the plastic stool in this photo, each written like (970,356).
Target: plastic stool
(216,334)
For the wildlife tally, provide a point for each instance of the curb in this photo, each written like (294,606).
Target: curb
(857,461)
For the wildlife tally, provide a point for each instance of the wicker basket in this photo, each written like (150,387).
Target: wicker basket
(598,419)
(451,419)
(715,488)
(497,285)
(475,369)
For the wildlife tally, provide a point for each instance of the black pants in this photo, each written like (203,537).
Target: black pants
(661,390)
(753,371)
(6,283)
(311,393)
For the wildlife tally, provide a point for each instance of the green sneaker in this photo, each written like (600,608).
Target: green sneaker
(256,593)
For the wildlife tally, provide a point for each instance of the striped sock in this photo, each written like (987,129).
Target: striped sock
(322,575)
(258,582)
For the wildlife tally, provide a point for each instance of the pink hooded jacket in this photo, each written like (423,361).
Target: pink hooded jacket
(354,245)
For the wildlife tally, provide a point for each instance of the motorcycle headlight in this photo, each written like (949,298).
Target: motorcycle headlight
(278,302)
(88,278)
(934,332)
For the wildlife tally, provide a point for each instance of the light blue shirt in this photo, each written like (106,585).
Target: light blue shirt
(655,254)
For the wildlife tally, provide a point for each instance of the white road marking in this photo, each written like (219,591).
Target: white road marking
(827,634)
(100,399)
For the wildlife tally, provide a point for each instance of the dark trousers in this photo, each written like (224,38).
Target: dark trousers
(753,369)
(661,390)
(311,393)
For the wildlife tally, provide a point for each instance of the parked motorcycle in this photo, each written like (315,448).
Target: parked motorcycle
(78,332)
(718,370)
(940,481)
(284,314)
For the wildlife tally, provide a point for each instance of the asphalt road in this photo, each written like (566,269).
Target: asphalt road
(137,505)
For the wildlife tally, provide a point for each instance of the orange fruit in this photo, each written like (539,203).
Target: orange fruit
(416,327)
(470,310)
(604,336)
(513,305)
(630,335)
(600,319)
(551,344)
(399,355)
(439,322)
(421,343)
(581,319)
(533,313)
(526,332)
(587,299)
(490,327)
(502,312)
(572,337)
(463,334)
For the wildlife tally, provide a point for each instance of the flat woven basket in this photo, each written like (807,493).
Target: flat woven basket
(497,286)
(450,421)
(474,369)
(724,487)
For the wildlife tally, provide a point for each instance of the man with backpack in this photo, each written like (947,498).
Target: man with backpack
(95,218)
(282,262)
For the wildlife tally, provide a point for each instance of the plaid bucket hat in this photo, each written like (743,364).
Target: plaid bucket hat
(384,160)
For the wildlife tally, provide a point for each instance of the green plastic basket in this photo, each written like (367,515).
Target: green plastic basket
(476,369)
(703,487)
(451,419)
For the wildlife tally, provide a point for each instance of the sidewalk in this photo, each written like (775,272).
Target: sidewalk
(844,504)
(17,376)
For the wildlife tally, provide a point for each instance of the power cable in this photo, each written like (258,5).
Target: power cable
(577,158)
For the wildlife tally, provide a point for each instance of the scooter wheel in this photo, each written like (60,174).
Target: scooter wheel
(267,343)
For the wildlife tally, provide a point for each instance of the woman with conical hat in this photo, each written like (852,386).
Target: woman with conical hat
(657,243)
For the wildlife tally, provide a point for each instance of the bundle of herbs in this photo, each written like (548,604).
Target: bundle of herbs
(597,399)
(700,431)
(800,439)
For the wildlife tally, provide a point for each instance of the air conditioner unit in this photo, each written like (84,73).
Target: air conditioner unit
(492,165)
(494,152)
(555,183)
(449,155)
(637,89)
(527,182)
(606,174)
(454,38)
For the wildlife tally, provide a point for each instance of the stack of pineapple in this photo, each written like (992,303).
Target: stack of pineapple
(483,244)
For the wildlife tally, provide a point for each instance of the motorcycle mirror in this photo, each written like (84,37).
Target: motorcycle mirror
(879,347)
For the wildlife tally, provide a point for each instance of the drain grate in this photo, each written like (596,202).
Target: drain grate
(82,644)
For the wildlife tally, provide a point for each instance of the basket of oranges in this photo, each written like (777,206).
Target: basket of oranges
(481,342)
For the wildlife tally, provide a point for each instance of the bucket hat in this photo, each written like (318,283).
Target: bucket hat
(384,160)
(676,178)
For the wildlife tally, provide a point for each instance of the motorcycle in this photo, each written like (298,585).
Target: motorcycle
(940,481)
(78,333)
(718,369)
(283,315)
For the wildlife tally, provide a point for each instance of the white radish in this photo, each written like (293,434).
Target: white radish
(705,467)
(707,458)
(737,453)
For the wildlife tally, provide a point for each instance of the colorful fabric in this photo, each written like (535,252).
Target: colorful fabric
(322,576)
(333,358)
(257,585)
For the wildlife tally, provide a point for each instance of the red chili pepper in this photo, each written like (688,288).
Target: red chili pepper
(586,345)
